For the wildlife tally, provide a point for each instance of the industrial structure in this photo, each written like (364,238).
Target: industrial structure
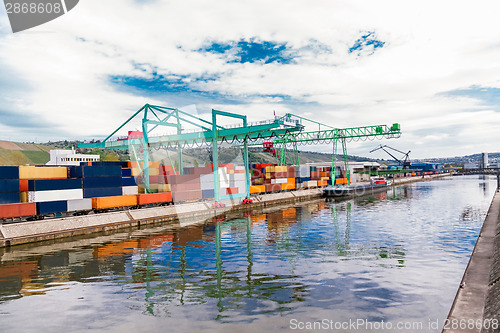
(284,132)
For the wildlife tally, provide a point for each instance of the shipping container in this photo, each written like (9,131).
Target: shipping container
(185,187)
(55,195)
(231,190)
(257,189)
(32,172)
(114,201)
(54,184)
(10,198)
(93,182)
(152,198)
(17,210)
(187,195)
(126,172)
(101,192)
(97,171)
(207,194)
(9,185)
(273,188)
(23,185)
(51,207)
(130,190)
(9,172)
(79,205)
(288,186)
(164,188)
(109,163)
(129,181)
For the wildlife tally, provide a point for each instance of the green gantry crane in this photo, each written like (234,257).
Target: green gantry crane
(283,130)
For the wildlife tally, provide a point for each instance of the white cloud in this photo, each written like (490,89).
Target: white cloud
(430,48)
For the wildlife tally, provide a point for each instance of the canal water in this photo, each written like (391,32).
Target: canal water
(389,262)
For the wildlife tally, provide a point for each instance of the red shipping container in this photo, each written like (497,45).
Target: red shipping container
(232,190)
(185,187)
(273,187)
(150,198)
(17,210)
(203,170)
(187,195)
(23,185)
(280,175)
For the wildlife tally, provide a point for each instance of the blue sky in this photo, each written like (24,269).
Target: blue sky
(432,67)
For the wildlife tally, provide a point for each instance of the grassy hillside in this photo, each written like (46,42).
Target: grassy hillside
(17,153)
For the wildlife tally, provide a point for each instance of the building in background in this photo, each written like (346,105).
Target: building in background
(483,163)
(69,157)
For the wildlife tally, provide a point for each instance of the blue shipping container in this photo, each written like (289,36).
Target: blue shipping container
(101,192)
(54,184)
(9,185)
(111,163)
(98,171)
(206,194)
(128,181)
(9,172)
(93,182)
(126,172)
(10,197)
(51,207)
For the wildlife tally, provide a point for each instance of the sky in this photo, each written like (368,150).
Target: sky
(431,66)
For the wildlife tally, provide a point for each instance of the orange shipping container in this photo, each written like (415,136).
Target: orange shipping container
(17,210)
(150,198)
(288,186)
(340,181)
(257,189)
(116,201)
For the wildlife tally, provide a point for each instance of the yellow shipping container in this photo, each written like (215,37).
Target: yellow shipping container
(24,197)
(152,164)
(257,188)
(269,169)
(325,178)
(258,181)
(116,201)
(164,188)
(281,168)
(152,172)
(31,172)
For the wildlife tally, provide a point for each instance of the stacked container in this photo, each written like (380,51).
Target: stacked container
(9,185)
(48,188)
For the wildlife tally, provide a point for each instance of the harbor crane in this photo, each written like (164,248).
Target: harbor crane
(404,161)
(282,131)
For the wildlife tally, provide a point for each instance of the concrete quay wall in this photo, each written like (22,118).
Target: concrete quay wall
(41,230)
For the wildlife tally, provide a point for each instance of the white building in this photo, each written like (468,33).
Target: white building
(69,157)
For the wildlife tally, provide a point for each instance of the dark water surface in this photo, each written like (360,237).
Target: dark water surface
(393,260)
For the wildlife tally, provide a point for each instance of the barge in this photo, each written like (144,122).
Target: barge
(356,190)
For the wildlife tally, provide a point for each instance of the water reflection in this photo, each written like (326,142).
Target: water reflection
(371,257)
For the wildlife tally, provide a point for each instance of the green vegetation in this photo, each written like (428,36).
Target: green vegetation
(37,156)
